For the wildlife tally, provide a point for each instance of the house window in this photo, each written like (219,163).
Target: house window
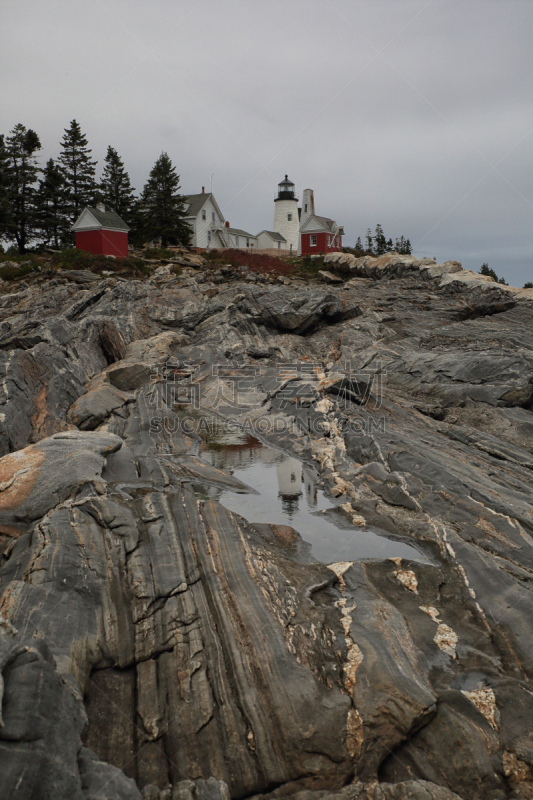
(213,216)
(289,217)
(247,243)
(313,240)
(236,241)
(208,236)
(329,240)
(204,214)
(279,245)
(305,209)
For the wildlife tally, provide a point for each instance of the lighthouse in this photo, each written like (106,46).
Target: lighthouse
(286,220)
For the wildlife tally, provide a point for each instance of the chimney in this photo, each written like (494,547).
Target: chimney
(227,224)
(203,189)
(100,207)
(308,206)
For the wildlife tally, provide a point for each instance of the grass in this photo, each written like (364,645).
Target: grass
(261,264)
(18,265)
(81,259)
(11,273)
(308,267)
(22,265)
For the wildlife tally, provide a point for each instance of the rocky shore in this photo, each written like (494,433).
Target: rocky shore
(154,644)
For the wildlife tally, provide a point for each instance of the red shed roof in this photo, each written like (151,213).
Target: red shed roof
(93,219)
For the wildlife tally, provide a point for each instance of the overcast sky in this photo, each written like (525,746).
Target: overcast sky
(410,113)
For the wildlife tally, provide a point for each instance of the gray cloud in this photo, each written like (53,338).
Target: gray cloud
(410,113)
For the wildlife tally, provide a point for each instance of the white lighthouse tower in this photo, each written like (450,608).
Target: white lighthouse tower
(286,219)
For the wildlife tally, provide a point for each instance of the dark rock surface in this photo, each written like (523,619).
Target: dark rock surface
(154,642)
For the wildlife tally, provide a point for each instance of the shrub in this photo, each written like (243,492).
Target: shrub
(25,259)
(308,267)
(11,273)
(74,259)
(254,262)
(81,259)
(158,252)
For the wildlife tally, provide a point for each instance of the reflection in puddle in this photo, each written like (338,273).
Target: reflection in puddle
(289,495)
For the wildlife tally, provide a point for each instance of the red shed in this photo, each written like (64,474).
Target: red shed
(320,235)
(101,231)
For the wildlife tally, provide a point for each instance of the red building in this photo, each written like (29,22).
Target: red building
(320,235)
(101,231)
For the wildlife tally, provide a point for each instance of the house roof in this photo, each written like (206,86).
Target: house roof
(273,235)
(316,223)
(198,201)
(93,218)
(238,232)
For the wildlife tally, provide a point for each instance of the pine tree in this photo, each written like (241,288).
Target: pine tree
(22,171)
(390,246)
(528,285)
(403,246)
(359,245)
(4,183)
(488,271)
(115,189)
(369,240)
(162,209)
(78,169)
(51,220)
(381,242)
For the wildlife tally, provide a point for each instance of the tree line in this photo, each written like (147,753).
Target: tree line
(40,204)
(377,244)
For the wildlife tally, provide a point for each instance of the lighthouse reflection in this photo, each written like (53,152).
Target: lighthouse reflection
(287,494)
(294,481)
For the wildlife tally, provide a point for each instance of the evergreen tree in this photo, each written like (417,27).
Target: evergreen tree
(51,220)
(403,246)
(4,184)
(115,189)
(162,209)
(78,169)
(22,171)
(486,270)
(381,242)
(528,285)
(378,244)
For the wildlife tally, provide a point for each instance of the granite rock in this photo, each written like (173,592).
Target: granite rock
(154,644)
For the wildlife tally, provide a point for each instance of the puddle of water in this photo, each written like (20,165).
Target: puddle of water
(289,495)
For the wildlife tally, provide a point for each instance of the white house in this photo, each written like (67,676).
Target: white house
(271,240)
(206,220)
(239,239)
(210,229)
